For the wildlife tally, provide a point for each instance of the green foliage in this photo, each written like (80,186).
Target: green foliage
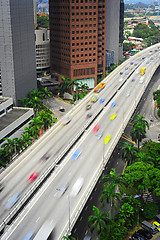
(129,153)
(156,97)
(150,210)
(42,21)
(127,47)
(150,153)
(98,221)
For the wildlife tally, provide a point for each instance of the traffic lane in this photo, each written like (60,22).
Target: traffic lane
(63,204)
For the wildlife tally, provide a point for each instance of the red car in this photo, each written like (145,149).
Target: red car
(96,128)
(33,176)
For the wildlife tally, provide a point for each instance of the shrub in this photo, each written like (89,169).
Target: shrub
(150,210)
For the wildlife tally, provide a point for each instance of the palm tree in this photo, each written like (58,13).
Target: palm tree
(9,145)
(26,139)
(18,145)
(129,153)
(98,221)
(5,157)
(138,133)
(36,124)
(66,85)
(113,179)
(46,118)
(140,120)
(110,196)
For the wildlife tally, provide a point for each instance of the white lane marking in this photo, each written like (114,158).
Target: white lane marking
(37,219)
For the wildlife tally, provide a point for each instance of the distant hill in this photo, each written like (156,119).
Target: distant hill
(136,1)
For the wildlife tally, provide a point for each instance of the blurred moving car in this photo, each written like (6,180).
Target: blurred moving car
(121,73)
(66,120)
(113,104)
(145,233)
(76,154)
(29,236)
(101,100)
(61,189)
(88,106)
(89,115)
(141,79)
(77,187)
(131,63)
(99,135)
(87,237)
(128,93)
(126,68)
(12,200)
(107,139)
(126,72)
(94,98)
(157,225)
(45,156)
(130,68)
(121,79)
(113,116)
(32,177)
(133,79)
(1,186)
(147,62)
(96,128)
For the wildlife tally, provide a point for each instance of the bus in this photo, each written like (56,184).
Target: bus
(99,87)
(142,71)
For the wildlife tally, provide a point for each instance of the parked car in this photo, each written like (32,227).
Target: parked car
(157,225)
(149,227)
(61,109)
(12,200)
(137,236)
(145,233)
(33,176)
(121,79)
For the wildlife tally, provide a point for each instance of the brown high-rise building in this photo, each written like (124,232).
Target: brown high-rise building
(78,39)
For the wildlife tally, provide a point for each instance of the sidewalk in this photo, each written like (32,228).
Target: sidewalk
(156,236)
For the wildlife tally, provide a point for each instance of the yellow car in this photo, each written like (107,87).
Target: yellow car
(139,55)
(113,116)
(94,98)
(157,225)
(107,139)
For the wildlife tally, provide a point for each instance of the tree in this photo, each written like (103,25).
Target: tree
(138,132)
(9,145)
(129,153)
(42,21)
(98,221)
(113,179)
(110,196)
(66,85)
(46,118)
(150,210)
(140,120)
(5,157)
(26,139)
(136,177)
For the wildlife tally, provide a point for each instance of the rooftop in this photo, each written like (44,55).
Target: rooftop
(12,116)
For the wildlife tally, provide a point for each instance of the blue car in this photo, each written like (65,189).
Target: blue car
(76,154)
(12,201)
(29,236)
(126,72)
(101,100)
(113,104)
(147,62)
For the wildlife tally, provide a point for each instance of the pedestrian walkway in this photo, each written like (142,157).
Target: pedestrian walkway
(156,236)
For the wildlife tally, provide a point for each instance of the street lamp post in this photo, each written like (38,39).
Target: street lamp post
(141,209)
(69,217)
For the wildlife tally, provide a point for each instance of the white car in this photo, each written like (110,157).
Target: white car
(141,79)
(77,187)
(121,79)
(128,93)
(137,72)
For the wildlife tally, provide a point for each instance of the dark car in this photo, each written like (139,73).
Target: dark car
(89,115)
(137,236)
(145,233)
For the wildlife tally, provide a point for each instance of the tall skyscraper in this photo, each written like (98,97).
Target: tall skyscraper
(78,39)
(17,48)
(114,27)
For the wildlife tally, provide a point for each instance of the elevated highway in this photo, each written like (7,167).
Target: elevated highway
(61,142)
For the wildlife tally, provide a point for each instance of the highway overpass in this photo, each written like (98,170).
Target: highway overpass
(61,142)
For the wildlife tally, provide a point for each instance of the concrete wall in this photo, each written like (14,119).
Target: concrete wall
(17,48)
(112,27)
